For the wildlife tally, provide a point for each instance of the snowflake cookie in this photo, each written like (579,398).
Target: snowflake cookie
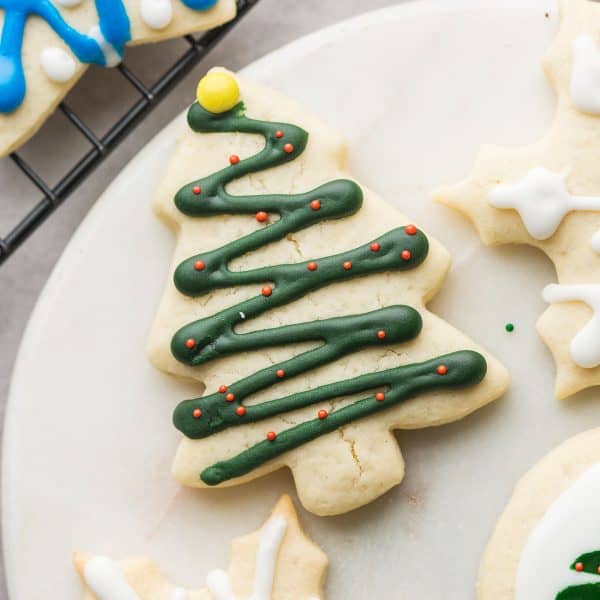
(547,195)
(278,562)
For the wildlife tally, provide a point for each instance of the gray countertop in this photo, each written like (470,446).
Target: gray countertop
(271,24)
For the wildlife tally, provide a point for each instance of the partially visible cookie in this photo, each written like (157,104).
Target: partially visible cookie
(48,44)
(546,545)
(277,562)
(547,195)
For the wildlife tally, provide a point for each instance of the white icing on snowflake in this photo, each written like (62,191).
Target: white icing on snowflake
(585,347)
(585,76)
(542,201)
(270,540)
(106,580)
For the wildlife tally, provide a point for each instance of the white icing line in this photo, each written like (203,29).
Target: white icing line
(106,580)
(179,594)
(111,56)
(266,558)
(218,582)
(585,75)
(58,64)
(219,585)
(542,201)
(157,14)
(569,528)
(68,3)
(585,347)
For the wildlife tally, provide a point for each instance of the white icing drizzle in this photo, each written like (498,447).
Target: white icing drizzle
(179,594)
(106,580)
(112,57)
(68,3)
(542,201)
(219,585)
(585,347)
(157,14)
(266,558)
(569,528)
(58,64)
(585,76)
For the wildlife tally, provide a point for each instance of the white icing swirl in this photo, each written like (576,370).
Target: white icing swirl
(569,528)
(585,76)
(157,14)
(179,594)
(68,3)
(58,64)
(106,580)
(585,347)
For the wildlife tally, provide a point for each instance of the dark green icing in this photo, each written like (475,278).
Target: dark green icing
(587,591)
(464,368)
(215,336)
(590,563)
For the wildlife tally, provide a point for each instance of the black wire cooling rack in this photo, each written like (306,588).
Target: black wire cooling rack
(150,96)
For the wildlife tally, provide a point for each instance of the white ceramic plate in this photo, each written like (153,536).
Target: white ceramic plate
(88,441)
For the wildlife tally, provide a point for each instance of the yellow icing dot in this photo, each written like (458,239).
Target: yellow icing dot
(218,92)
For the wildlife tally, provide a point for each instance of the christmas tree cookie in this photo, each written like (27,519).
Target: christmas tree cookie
(278,562)
(547,195)
(297,297)
(47,44)
(547,543)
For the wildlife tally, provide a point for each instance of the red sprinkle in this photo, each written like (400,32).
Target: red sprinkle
(347,265)
(234,159)
(322,414)
(199,265)
(279,134)
(579,566)
(315,204)
(271,435)
(190,343)
(406,255)
(375,247)
(266,291)
(410,230)
(222,389)
(442,370)
(280,373)
(311,266)
(380,396)
(197,190)
(261,216)
(230,397)
(240,411)
(381,334)
(288,148)
(197,413)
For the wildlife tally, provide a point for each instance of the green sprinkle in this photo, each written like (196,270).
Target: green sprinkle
(509,327)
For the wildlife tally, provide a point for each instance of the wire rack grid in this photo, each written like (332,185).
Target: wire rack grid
(101,147)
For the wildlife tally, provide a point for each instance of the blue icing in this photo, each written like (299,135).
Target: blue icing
(199,4)
(113,23)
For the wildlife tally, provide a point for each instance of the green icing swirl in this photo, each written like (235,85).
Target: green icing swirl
(215,337)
